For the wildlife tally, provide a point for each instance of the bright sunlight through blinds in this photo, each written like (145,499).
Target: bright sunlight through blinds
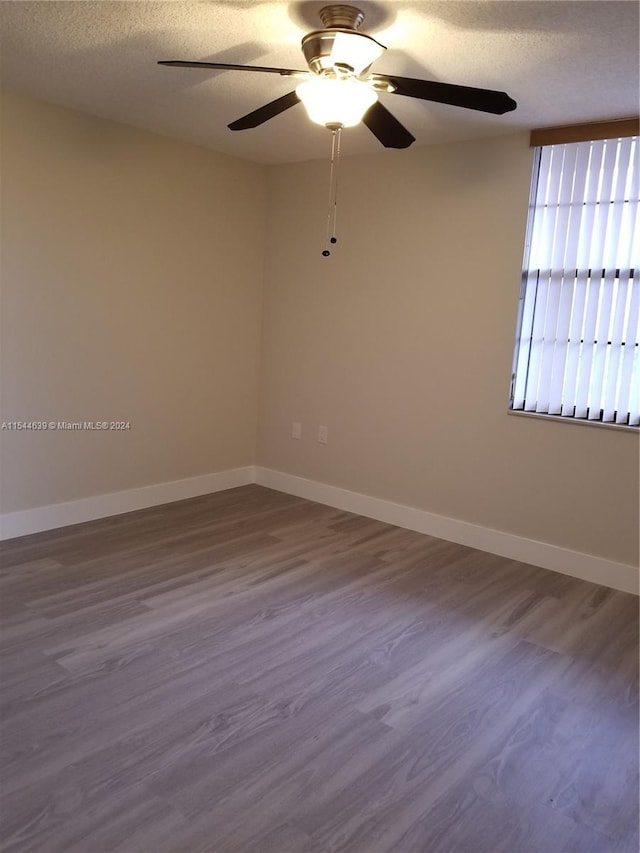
(577,352)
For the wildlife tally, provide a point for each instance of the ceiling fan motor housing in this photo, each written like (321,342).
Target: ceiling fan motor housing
(318,47)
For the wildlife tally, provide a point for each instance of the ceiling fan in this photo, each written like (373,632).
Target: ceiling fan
(339,90)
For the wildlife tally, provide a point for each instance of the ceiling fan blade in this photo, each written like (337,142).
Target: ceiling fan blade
(484,100)
(386,127)
(264,113)
(225,66)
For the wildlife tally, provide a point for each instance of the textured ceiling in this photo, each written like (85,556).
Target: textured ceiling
(563,62)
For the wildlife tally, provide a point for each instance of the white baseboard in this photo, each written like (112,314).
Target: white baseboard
(584,566)
(14,524)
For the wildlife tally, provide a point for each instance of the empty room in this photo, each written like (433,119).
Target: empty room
(319,426)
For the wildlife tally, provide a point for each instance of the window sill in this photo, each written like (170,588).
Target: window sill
(560,419)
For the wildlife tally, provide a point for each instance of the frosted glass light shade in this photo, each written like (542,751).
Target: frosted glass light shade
(330,101)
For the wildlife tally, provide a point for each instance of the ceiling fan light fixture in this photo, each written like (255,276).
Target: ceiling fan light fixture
(335,102)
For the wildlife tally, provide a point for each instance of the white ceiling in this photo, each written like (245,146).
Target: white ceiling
(563,62)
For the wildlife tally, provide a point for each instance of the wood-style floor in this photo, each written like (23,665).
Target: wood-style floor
(249,671)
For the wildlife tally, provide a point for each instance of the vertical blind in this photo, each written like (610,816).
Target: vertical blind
(577,351)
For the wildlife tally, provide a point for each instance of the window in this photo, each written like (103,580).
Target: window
(577,347)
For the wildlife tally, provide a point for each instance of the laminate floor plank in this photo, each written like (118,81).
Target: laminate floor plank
(439,749)
(290,778)
(250,672)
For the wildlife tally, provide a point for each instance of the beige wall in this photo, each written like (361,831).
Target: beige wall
(401,343)
(131,290)
(132,287)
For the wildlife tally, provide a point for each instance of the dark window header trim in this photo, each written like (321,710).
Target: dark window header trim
(585,132)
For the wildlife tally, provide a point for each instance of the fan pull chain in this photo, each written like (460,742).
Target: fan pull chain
(334,239)
(332,213)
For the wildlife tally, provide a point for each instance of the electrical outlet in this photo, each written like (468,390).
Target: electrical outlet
(296,430)
(323,434)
